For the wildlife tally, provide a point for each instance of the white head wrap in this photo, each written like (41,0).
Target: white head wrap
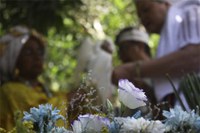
(10,47)
(134,35)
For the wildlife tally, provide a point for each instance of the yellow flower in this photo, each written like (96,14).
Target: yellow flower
(28,124)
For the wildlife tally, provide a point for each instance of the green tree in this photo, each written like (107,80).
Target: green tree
(65,23)
(38,14)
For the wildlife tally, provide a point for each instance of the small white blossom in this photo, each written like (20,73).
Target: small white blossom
(130,124)
(89,124)
(60,130)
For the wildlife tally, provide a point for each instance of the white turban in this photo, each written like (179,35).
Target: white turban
(134,35)
(10,47)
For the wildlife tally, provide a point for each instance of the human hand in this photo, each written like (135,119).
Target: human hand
(124,71)
(106,46)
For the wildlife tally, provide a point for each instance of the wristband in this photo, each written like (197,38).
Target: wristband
(137,69)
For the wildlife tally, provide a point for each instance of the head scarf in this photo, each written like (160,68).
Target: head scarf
(134,34)
(10,47)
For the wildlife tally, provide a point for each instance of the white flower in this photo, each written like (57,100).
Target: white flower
(121,124)
(89,123)
(130,124)
(155,127)
(131,96)
(60,130)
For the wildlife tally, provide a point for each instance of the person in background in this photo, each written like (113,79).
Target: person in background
(21,63)
(95,57)
(178,24)
(132,43)
(92,76)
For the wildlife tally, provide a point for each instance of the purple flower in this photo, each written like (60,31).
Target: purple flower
(130,95)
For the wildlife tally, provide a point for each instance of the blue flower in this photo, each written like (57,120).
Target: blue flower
(181,121)
(44,118)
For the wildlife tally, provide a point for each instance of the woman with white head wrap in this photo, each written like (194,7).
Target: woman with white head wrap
(22,49)
(11,45)
(178,50)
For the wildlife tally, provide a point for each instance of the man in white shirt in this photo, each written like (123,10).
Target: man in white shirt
(178,51)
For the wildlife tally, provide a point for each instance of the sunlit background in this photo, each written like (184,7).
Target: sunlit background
(65,23)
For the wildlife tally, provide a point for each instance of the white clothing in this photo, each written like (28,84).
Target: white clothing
(11,45)
(134,35)
(99,63)
(181,28)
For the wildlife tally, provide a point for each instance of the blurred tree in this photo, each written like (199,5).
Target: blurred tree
(65,23)
(40,14)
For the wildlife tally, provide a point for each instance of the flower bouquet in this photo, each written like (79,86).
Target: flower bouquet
(44,118)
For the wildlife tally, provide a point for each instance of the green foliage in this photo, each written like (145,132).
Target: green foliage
(122,13)
(38,14)
(176,92)
(153,43)
(65,23)
(60,60)
(20,128)
(190,86)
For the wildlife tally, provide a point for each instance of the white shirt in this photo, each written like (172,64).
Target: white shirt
(182,27)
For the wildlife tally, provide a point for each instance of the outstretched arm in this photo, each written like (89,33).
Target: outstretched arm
(175,64)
